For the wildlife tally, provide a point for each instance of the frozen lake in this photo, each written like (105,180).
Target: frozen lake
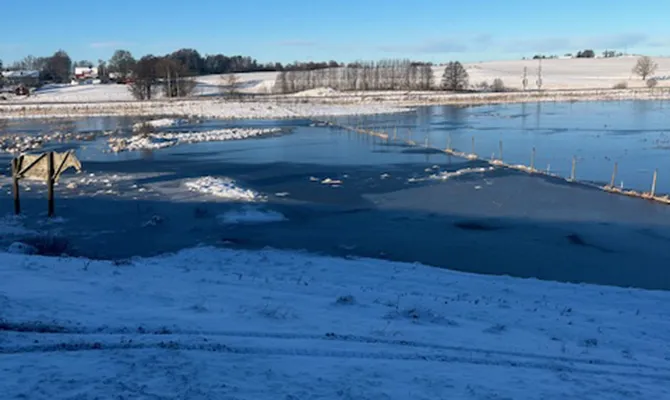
(386,204)
(635,134)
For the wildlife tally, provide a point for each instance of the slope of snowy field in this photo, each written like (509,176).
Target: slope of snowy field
(252,82)
(577,73)
(83,93)
(226,324)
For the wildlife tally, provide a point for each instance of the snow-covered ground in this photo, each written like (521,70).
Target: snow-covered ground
(208,108)
(223,188)
(163,140)
(215,323)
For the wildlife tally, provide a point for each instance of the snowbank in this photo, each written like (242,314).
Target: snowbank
(207,323)
(317,92)
(166,139)
(224,188)
(250,215)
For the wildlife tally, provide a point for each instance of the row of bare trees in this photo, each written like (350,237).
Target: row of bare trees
(151,74)
(381,75)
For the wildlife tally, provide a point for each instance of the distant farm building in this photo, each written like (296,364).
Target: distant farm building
(24,77)
(85,73)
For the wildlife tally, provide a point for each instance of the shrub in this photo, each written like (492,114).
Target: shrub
(652,83)
(621,85)
(498,85)
(483,86)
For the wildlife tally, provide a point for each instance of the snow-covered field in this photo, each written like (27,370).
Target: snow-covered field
(163,140)
(557,74)
(226,324)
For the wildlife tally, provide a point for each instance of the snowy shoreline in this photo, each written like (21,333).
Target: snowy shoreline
(329,105)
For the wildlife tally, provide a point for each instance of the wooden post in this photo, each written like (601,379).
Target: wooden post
(449,143)
(616,168)
(50,183)
(427,142)
(573,174)
(501,151)
(532,160)
(653,183)
(473,145)
(395,133)
(15,186)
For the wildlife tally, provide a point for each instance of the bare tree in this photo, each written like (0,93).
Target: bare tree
(122,64)
(230,82)
(145,78)
(645,66)
(455,77)
(281,83)
(174,77)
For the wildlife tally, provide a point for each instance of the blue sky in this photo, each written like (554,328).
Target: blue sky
(345,30)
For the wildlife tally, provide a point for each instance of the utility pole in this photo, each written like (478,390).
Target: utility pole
(524,81)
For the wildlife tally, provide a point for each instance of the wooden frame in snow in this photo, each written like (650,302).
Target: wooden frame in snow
(45,167)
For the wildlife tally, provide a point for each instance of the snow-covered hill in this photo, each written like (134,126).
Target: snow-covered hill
(214,323)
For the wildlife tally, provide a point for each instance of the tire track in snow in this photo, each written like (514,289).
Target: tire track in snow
(205,344)
(63,334)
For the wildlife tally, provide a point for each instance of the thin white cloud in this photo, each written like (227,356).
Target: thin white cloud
(296,43)
(107,45)
(428,47)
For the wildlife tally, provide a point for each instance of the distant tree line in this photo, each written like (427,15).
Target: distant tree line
(368,75)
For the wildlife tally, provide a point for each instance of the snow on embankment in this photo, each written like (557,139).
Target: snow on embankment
(167,139)
(215,323)
(216,109)
(224,188)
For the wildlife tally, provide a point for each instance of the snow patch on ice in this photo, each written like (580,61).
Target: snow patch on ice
(158,123)
(166,139)
(249,215)
(224,188)
(443,176)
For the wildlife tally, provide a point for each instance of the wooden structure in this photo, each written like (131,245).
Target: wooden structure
(45,167)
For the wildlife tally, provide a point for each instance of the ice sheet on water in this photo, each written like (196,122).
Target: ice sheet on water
(224,188)
(251,215)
